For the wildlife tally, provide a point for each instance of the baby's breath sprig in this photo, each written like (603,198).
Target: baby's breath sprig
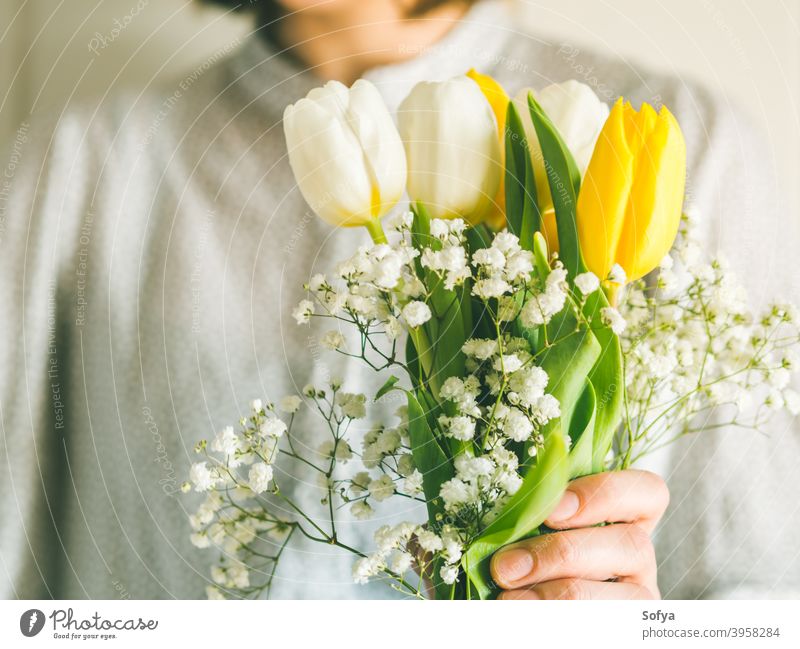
(697,357)
(694,358)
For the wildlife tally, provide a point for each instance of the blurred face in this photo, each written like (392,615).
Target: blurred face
(332,5)
(299,5)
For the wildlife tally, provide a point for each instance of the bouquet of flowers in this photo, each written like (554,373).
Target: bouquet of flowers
(513,306)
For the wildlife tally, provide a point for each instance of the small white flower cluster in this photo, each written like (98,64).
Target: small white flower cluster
(385,453)
(389,470)
(238,469)
(238,472)
(391,553)
(393,544)
(613,318)
(352,405)
(377,286)
(381,288)
(501,267)
(690,346)
(694,351)
(447,257)
(587,283)
(515,412)
(542,306)
(500,403)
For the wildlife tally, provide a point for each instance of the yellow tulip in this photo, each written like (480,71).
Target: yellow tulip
(630,202)
(498,100)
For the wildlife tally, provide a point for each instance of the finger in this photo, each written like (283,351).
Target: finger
(596,553)
(580,589)
(613,497)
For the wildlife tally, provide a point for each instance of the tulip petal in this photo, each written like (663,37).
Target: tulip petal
(603,198)
(333,97)
(577,113)
(654,210)
(495,95)
(452,148)
(328,163)
(385,157)
(498,100)
(345,153)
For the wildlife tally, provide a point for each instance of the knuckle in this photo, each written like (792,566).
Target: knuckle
(565,549)
(602,482)
(589,488)
(640,544)
(571,589)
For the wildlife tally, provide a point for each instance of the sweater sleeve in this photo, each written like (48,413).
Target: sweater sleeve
(42,204)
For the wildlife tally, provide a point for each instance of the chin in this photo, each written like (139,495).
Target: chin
(300,5)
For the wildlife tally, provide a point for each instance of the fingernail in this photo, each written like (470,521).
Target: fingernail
(512,564)
(566,508)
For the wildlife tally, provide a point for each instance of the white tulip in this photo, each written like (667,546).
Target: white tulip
(346,154)
(454,157)
(578,115)
(576,112)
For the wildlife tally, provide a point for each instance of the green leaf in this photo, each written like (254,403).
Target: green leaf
(540,492)
(429,458)
(421,230)
(607,380)
(531,217)
(516,156)
(581,433)
(465,298)
(412,362)
(386,387)
(564,179)
(448,359)
(433,409)
(421,360)
(478,237)
(522,205)
(568,362)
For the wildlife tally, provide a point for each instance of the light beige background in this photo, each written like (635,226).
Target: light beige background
(744,50)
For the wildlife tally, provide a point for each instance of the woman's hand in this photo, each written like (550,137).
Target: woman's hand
(585,562)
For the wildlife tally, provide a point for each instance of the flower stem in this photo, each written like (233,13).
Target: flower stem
(423,347)
(375,230)
(612,293)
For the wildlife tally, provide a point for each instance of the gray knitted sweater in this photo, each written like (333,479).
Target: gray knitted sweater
(150,255)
